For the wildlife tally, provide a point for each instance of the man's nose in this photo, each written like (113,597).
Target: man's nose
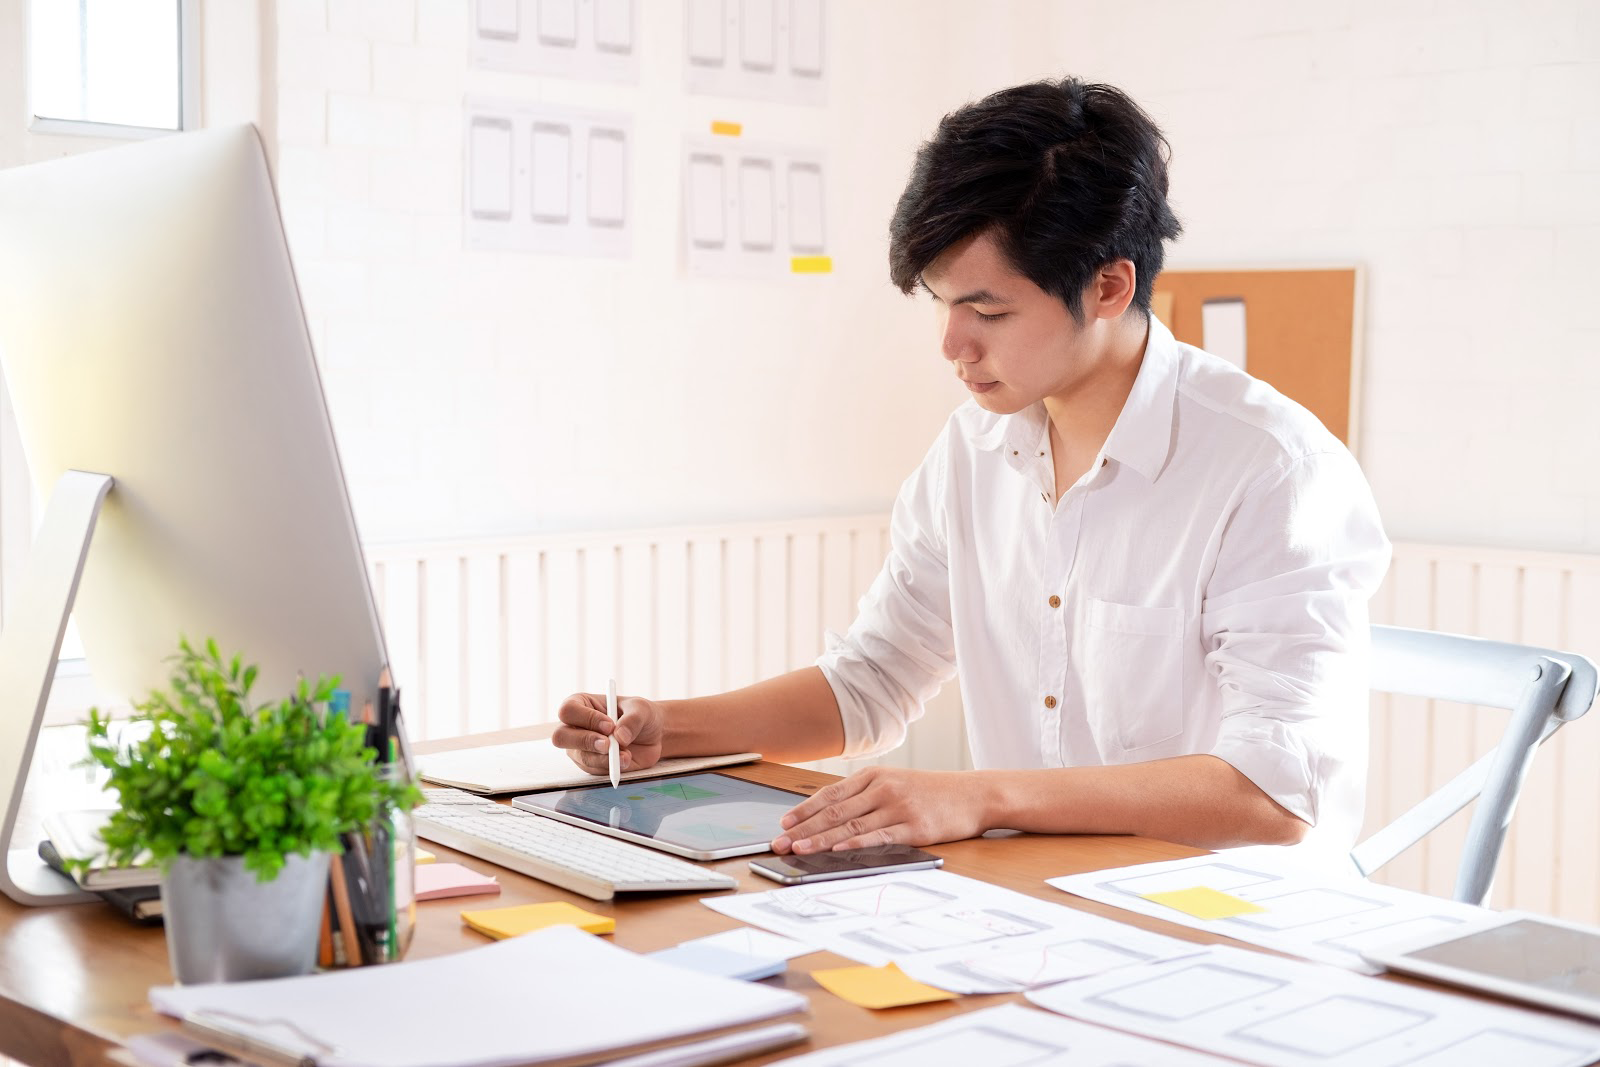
(956,343)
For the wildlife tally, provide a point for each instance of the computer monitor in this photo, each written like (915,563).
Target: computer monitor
(151,330)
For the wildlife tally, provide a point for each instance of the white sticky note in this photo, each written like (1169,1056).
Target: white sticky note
(489,167)
(707,227)
(706,33)
(608,177)
(1222,325)
(752,942)
(756,205)
(558,23)
(497,19)
(806,231)
(805,37)
(552,172)
(613,25)
(758,35)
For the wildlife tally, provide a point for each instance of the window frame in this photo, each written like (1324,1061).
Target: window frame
(188,89)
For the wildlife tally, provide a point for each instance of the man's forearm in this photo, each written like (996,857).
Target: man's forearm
(1198,800)
(790,719)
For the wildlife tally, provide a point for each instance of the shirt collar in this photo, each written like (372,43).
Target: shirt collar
(1142,435)
(1141,438)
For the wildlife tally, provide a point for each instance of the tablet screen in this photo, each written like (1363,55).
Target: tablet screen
(1557,958)
(705,812)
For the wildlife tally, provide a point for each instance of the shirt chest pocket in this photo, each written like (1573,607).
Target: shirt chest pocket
(1132,672)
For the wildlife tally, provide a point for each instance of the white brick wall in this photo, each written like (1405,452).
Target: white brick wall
(1452,149)
(503,393)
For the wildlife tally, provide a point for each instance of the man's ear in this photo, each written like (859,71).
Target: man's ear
(1111,292)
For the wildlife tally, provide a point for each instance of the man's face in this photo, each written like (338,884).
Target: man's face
(1009,341)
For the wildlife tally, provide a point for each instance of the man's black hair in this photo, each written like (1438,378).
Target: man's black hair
(1068,176)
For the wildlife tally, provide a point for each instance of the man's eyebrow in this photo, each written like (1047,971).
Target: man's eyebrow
(978,296)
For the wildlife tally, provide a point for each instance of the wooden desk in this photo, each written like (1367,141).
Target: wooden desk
(73,979)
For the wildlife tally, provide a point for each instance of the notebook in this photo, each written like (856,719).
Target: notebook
(528,766)
(76,835)
(549,997)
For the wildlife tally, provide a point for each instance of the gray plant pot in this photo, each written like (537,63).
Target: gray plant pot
(224,926)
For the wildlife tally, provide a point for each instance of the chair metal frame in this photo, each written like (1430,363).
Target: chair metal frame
(1542,688)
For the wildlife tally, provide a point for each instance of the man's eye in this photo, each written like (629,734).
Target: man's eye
(990,318)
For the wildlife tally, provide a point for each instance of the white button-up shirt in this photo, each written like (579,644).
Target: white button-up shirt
(1202,588)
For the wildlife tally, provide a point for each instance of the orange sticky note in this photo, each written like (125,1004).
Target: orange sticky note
(1204,903)
(526,918)
(878,987)
(811,264)
(726,129)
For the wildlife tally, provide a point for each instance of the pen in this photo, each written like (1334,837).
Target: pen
(616,749)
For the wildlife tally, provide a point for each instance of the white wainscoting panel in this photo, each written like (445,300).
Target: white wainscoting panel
(1552,858)
(493,634)
(488,635)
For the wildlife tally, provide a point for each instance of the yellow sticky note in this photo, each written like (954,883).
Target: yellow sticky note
(726,129)
(878,987)
(424,856)
(1204,903)
(811,264)
(526,918)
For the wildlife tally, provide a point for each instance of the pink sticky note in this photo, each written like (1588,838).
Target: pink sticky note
(437,880)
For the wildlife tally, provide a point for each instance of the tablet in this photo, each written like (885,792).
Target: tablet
(1512,954)
(697,816)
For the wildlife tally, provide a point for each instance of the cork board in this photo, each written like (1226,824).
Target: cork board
(1300,331)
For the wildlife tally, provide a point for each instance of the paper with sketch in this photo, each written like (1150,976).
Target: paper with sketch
(755,943)
(528,766)
(956,933)
(551,995)
(1007,1036)
(1304,913)
(1286,1013)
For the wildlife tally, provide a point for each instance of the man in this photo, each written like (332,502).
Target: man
(1149,570)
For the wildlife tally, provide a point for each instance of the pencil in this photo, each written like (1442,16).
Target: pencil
(347,922)
(325,933)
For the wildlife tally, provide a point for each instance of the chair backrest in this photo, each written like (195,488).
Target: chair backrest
(1542,688)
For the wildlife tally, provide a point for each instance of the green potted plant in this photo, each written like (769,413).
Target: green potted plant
(241,806)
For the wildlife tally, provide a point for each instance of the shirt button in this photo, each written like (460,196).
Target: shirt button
(1045,497)
(1055,602)
(1049,702)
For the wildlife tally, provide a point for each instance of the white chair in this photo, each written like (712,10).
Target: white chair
(1542,688)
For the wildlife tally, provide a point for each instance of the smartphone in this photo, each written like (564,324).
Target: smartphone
(847,863)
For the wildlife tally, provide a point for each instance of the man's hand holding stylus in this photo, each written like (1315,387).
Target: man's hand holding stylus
(585,732)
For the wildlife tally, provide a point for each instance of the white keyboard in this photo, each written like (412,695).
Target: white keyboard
(571,857)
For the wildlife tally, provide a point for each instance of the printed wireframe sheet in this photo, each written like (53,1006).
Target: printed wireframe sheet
(1303,913)
(1285,1013)
(1007,1036)
(952,932)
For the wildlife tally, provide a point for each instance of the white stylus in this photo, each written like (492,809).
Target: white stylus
(616,749)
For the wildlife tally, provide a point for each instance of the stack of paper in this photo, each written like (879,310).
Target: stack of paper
(552,996)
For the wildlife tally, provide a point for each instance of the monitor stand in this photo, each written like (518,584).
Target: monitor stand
(29,646)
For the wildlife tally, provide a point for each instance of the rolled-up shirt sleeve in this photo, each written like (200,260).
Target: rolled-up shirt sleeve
(900,650)
(1284,623)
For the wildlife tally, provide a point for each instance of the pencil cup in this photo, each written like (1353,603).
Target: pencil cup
(371,907)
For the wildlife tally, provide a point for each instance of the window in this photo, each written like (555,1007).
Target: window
(113,68)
